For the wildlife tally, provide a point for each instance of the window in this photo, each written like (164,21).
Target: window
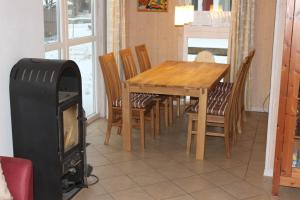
(218,47)
(70,34)
(207,5)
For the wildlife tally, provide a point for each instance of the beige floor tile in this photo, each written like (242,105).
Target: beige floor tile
(150,178)
(200,167)
(163,190)
(117,183)
(160,162)
(287,193)
(122,173)
(91,149)
(227,163)
(212,194)
(132,194)
(193,184)
(260,181)
(89,196)
(238,171)
(95,190)
(121,156)
(176,171)
(245,144)
(107,171)
(134,167)
(106,149)
(184,197)
(239,154)
(220,177)
(97,159)
(263,197)
(182,156)
(242,190)
(148,154)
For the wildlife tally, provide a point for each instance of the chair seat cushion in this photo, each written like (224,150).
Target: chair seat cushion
(216,104)
(217,94)
(4,192)
(220,91)
(138,100)
(224,86)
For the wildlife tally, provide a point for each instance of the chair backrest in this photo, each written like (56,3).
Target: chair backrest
(240,81)
(128,63)
(205,56)
(111,77)
(143,58)
(233,107)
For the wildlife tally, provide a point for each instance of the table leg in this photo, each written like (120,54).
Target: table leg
(201,125)
(126,118)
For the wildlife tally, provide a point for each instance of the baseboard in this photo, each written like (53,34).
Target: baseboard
(268,172)
(258,109)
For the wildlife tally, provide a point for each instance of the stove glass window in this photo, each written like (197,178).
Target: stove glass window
(70,123)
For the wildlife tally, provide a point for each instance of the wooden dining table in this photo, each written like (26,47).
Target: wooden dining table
(174,78)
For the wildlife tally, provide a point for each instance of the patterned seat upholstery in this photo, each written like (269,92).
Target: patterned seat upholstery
(138,100)
(224,86)
(216,104)
(220,91)
(218,95)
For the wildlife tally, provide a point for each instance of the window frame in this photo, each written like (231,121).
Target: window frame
(64,43)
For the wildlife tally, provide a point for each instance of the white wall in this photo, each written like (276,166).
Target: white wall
(101,49)
(21,35)
(275,85)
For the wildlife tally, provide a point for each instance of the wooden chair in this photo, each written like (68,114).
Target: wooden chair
(141,103)
(223,108)
(143,58)
(130,71)
(145,64)
(205,56)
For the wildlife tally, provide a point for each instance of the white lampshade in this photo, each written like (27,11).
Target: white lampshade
(179,16)
(184,15)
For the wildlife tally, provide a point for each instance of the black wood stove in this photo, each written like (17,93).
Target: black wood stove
(48,124)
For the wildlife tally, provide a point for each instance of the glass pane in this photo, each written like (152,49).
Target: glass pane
(207,5)
(296,153)
(51,22)
(71,136)
(83,56)
(80,18)
(55,54)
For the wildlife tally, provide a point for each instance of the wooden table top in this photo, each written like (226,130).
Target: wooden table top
(188,75)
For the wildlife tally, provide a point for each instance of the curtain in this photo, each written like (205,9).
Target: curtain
(241,40)
(115,28)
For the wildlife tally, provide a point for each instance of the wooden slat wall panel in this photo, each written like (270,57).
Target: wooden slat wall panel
(283,97)
(293,88)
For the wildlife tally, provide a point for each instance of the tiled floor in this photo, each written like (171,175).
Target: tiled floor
(165,171)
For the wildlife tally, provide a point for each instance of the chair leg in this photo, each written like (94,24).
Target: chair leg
(189,134)
(244,116)
(166,109)
(153,120)
(108,131)
(157,118)
(239,124)
(227,142)
(178,106)
(170,110)
(142,127)
(119,131)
